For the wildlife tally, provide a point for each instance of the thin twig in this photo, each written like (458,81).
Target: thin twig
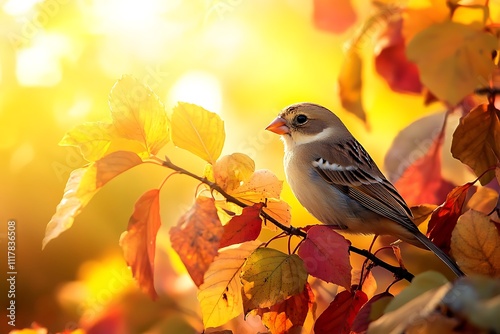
(398,272)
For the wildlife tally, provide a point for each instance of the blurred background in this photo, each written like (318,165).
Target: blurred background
(243,59)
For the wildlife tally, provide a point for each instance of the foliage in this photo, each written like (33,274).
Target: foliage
(218,241)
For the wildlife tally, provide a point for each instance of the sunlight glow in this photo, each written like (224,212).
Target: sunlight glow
(19,7)
(197,87)
(22,156)
(39,65)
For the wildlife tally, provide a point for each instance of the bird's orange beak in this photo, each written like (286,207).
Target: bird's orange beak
(278,126)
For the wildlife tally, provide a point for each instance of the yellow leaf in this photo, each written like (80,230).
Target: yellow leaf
(476,140)
(270,276)
(231,170)
(484,200)
(92,138)
(416,19)
(261,185)
(82,185)
(138,114)
(475,244)
(199,131)
(350,84)
(453,59)
(220,294)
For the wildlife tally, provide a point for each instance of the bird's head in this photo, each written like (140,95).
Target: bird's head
(303,123)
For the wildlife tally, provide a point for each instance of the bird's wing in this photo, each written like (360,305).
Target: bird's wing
(362,181)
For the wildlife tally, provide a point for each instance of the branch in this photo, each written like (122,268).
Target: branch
(399,273)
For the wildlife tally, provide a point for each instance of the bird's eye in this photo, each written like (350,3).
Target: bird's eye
(301,119)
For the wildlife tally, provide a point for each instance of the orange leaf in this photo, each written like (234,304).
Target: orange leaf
(82,185)
(476,141)
(350,84)
(139,241)
(475,244)
(326,255)
(334,16)
(444,218)
(339,315)
(245,227)
(290,313)
(196,237)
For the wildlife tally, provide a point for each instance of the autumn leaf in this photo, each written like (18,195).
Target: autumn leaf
(333,16)
(475,244)
(370,311)
(289,314)
(413,162)
(444,218)
(245,227)
(279,210)
(339,315)
(82,185)
(424,282)
(198,130)
(138,114)
(422,181)
(196,237)
(262,184)
(220,294)
(452,58)
(484,200)
(139,241)
(326,256)
(417,19)
(270,276)
(92,139)
(231,170)
(350,84)
(422,213)
(391,63)
(476,141)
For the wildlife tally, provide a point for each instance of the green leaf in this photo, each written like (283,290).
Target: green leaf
(270,276)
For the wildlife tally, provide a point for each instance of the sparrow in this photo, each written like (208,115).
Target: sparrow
(338,182)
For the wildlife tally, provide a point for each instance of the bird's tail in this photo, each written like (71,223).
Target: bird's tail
(439,253)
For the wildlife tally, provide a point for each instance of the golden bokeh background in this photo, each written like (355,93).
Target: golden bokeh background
(243,59)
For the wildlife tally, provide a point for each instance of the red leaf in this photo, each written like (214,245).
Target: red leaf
(245,227)
(365,315)
(444,219)
(391,62)
(334,16)
(196,237)
(291,313)
(139,242)
(326,255)
(422,181)
(339,315)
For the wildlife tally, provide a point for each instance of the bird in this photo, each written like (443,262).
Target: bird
(337,181)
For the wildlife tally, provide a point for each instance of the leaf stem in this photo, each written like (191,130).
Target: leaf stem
(399,273)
